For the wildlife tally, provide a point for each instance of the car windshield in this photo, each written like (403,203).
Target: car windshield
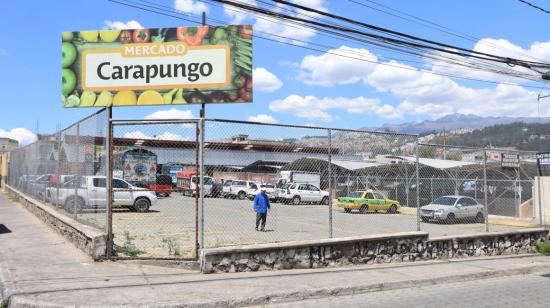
(450,201)
(356,194)
(207,180)
(267,186)
(286,186)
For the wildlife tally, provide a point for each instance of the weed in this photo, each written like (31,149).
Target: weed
(544,248)
(128,248)
(172,245)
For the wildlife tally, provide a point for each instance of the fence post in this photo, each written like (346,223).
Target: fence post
(58,172)
(197,163)
(109,183)
(417,189)
(201,180)
(329,183)
(486,201)
(77,162)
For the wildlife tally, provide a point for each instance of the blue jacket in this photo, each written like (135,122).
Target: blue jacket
(261,203)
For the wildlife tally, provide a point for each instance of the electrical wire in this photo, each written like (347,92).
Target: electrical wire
(534,6)
(301,45)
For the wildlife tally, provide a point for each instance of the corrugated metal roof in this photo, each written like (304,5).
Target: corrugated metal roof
(355,165)
(437,163)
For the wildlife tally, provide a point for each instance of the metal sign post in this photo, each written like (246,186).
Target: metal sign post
(109,183)
(543,159)
(201,161)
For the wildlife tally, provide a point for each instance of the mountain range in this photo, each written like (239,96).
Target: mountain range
(452,122)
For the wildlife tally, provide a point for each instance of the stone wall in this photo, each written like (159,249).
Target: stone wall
(88,239)
(386,248)
(395,247)
(484,244)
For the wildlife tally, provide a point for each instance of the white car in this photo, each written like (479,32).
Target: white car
(240,189)
(91,194)
(297,193)
(269,191)
(453,208)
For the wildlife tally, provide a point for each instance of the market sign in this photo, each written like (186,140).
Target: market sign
(543,158)
(510,160)
(166,66)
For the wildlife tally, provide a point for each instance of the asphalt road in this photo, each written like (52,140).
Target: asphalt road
(515,291)
(169,228)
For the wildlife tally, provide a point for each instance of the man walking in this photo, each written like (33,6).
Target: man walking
(261,205)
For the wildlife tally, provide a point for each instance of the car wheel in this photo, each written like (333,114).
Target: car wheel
(296,200)
(324,201)
(479,218)
(451,218)
(241,195)
(392,209)
(364,209)
(142,205)
(347,210)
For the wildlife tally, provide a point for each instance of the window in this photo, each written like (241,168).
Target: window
(369,196)
(378,196)
(239,183)
(449,201)
(293,186)
(313,188)
(253,186)
(100,182)
(356,194)
(119,184)
(467,202)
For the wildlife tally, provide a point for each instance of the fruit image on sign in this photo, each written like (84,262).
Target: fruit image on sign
(165,66)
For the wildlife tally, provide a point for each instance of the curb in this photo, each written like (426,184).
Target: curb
(22,301)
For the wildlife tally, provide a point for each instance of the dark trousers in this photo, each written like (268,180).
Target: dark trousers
(261,217)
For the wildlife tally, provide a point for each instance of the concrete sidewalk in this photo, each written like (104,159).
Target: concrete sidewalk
(40,268)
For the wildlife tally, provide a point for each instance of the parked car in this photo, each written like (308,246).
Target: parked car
(91,193)
(269,190)
(453,208)
(240,189)
(163,185)
(367,200)
(297,193)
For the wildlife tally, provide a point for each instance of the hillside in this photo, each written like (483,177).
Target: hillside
(453,122)
(522,136)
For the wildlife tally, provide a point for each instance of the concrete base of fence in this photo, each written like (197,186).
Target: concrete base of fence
(385,248)
(88,239)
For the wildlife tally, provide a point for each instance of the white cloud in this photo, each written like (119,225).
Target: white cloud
(238,16)
(313,108)
(191,6)
(164,136)
(172,113)
(265,81)
(132,24)
(337,66)
(263,118)
(23,135)
(421,92)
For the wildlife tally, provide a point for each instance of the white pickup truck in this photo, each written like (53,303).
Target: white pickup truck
(91,194)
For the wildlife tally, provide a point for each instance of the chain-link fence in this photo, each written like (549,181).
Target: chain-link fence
(58,169)
(320,182)
(155,182)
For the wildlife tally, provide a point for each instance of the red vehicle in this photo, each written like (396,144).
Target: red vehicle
(163,185)
(188,180)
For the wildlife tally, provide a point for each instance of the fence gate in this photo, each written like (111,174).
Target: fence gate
(156,216)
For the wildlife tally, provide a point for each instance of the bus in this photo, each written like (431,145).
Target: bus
(188,180)
(136,166)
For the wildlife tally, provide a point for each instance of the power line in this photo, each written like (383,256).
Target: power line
(301,45)
(433,25)
(534,6)
(472,53)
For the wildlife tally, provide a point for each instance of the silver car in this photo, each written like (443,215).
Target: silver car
(453,208)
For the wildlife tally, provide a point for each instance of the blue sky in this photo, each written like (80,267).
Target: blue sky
(292,85)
